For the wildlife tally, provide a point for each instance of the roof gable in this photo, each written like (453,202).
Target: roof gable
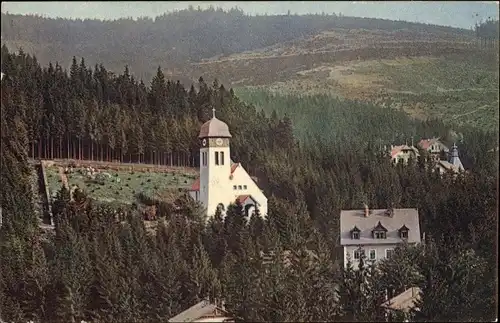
(379,227)
(404,228)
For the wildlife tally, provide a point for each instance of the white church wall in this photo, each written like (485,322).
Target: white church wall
(241,177)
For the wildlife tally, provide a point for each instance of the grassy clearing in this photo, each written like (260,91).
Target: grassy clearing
(119,186)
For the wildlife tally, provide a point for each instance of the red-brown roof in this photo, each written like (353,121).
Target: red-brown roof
(395,150)
(426,143)
(242,198)
(234,166)
(196,183)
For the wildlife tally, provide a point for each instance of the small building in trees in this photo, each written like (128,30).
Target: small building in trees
(221,181)
(403,153)
(374,234)
(204,311)
(434,147)
(453,163)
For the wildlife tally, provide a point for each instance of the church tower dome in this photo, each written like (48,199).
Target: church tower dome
(214,128)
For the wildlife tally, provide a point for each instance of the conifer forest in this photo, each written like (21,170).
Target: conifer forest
(102,263)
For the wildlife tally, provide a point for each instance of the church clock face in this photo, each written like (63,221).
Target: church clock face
(219,142)
(204,142)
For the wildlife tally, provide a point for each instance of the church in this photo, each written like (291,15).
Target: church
(221,181)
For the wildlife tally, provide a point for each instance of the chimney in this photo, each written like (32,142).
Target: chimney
(367,210)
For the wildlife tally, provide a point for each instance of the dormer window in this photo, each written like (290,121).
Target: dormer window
(355,233)
(379,232)
(403,232)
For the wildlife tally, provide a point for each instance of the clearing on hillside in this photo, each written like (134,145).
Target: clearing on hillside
(117,184)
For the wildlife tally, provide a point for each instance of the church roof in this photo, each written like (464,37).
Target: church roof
(454,159)
(214,128)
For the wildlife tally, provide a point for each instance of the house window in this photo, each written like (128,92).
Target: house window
(373,254)
(235,187)
(380,235)
(355,235)
(216,158)
(359,253)
(388,253)
(239,187)
(244,187)
(222,158)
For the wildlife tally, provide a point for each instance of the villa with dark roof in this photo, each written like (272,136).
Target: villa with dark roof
(221,181)
(374,234)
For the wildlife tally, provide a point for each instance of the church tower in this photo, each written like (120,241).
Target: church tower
(215,164)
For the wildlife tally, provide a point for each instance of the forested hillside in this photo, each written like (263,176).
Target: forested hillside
(102,266)
(175,39)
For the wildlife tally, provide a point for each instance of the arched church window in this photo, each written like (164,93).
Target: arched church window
(248,209)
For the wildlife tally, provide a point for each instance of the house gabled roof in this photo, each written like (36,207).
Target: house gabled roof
(426,143)
(448,166)
(404,301)
(355,229)
(366,224)
(379,227)
(397,149)
(404,228)
(199,310)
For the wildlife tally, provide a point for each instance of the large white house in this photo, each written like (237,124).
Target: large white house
(374,234)
(222,182)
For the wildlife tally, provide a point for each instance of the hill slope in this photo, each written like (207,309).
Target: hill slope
(425,70)
(174,39)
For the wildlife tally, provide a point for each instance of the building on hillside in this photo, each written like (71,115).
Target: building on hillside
(403,303)
(204,311)
(434,147)
(453,163)
(221,181)
(373,234)
(403,153)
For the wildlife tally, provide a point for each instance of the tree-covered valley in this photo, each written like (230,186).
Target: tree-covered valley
(101,264)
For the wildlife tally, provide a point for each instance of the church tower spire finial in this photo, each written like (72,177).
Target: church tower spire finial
(213,112)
